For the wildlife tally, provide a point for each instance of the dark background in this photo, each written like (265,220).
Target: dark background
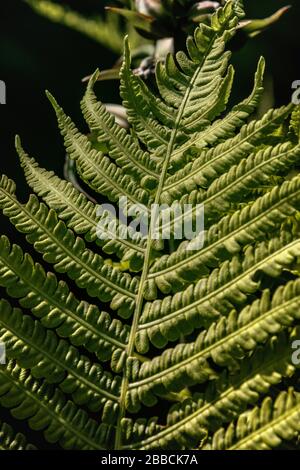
(36,54)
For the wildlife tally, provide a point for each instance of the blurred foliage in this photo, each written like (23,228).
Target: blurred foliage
(37,54)
(106,30)
(155,20)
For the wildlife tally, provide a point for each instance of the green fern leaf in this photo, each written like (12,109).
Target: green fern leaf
(264,428)
(9,440)
(228,339)
(69,253)
(188,422)
(249,224)
(209,332)
(82,215)
(52,302)
(48,410)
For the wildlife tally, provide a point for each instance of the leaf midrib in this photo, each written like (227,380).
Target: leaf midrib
(140,295)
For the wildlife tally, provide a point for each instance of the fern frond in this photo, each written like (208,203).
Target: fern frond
(152,133)
(195,80)
(228,125)
(121,146)
(162,114)
(9,440)
(230,285)
(82,215)
(95,168)
(47,409)
(228,311)
(214,162)
(247,225)
(206,64)
(68,254)
(224,342)
(52,302)
(239,181)
(264,427)
(236,184)
(139,105)
(295,123)
(40,350)
(223,400)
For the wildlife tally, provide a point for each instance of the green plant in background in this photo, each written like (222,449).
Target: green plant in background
(202,337)
(106,30)
(155,20)
(167,18)
(11,441)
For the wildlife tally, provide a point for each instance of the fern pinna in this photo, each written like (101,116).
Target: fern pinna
(203,336)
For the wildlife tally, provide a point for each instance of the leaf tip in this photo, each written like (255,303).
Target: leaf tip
(94,78)
(18,145)
(51,99)
(20,151)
